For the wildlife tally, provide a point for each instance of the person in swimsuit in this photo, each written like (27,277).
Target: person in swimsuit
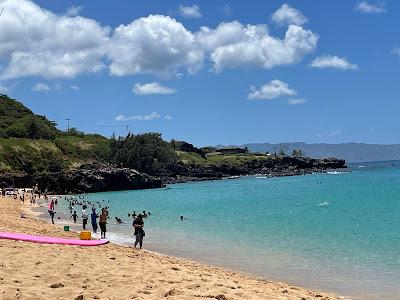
(74,216)
(84,217)
(139,232)
(51,211)
(103,222)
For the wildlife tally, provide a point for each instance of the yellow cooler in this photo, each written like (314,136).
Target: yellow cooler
(85,235)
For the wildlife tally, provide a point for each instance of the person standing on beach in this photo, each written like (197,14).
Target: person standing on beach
(51,211)
(138,224)
(74,216)
(93,218)
(103,222)
(84,217)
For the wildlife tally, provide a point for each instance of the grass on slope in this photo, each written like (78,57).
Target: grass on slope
(37,156)
(191,158)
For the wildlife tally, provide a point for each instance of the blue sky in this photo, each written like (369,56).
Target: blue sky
(224,73)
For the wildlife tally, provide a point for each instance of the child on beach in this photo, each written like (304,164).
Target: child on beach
(74,216)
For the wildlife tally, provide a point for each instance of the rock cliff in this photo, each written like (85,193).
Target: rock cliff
(86,179)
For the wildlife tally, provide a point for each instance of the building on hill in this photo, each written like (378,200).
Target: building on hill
(232,150)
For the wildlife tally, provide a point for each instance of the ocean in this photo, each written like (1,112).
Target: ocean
(337,232)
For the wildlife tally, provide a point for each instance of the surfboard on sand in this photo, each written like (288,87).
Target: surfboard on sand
(49,239)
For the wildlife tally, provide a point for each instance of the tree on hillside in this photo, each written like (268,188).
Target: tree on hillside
(280,150)
(208,149)
(147,152)
(186,147)
(32,129)
(297,153)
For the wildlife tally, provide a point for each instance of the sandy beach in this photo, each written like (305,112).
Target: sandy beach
(42,271)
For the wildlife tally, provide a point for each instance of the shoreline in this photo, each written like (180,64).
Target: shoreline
(206,281)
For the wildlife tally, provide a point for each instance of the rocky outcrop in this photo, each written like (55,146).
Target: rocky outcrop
(100,178)
(273,167)
(86,179)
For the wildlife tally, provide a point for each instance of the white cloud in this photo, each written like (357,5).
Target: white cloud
(369,8)
(272,90)
(37,42)
(4,89)
(168,117)
(287,15)
(150,117)
(190,11)
(297,101)
(152,88)
(329,61)
(335,132)
(155,44)
(332,133)
(74,88)
(233,45)
(41,87)
(396,51)
(74,10)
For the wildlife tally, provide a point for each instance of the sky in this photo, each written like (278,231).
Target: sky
(208,72)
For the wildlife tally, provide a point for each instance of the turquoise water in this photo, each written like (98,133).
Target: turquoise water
(338,232)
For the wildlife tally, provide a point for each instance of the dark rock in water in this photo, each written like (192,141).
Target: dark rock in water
(86,179)
(280,166)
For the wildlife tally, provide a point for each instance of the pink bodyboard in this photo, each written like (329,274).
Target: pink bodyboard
(49,239)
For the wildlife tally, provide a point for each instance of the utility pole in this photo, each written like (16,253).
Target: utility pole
(127,128)
(67,119)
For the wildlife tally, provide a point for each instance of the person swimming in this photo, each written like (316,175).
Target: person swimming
(119,221)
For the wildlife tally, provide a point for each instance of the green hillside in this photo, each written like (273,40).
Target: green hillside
(20,122)
(31,144)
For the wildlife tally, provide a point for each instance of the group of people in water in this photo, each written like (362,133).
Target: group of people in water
(99,219)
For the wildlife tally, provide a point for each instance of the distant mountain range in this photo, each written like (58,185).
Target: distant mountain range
(351,152)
